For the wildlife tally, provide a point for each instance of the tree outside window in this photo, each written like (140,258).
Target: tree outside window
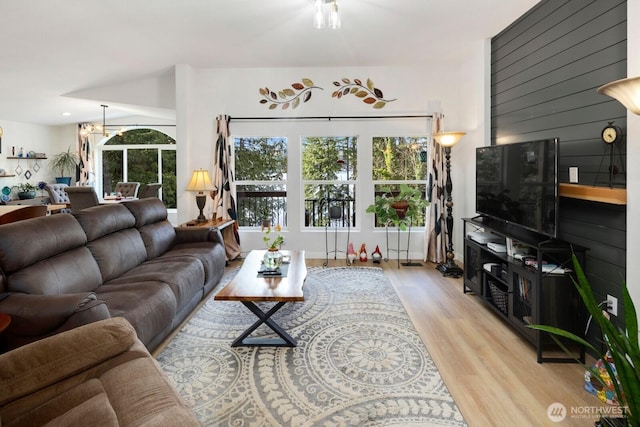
(261,180)
(329,173)
(399,160)
(144,156)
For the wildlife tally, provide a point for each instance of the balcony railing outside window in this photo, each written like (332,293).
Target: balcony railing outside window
(316,212)
(254,206)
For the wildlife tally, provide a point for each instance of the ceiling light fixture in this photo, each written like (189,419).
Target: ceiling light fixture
(104,120)
(100,129)
(325,12)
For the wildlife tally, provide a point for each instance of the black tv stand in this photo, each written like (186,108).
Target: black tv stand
(522,293)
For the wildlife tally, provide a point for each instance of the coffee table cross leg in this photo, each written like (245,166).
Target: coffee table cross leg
(264,317)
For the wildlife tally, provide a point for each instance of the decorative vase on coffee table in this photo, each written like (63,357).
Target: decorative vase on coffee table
(272,259)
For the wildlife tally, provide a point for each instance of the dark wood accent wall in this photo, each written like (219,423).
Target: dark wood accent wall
(545,69)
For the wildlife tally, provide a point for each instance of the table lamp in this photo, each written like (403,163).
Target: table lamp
(200,182)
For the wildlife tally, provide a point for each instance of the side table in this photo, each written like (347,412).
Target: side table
(5,320)
(227,233)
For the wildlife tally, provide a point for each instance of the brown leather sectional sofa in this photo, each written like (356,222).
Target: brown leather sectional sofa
(120,260)
(98,374)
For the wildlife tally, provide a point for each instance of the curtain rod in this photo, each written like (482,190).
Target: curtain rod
(137,125)
(329,118)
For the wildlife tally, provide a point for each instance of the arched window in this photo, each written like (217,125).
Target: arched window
(139,155)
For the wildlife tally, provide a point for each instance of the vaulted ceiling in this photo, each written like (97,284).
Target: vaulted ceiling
(52,50)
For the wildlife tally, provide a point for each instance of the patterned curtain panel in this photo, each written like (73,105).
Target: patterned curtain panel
(224,195)
(435,235)
(85,152)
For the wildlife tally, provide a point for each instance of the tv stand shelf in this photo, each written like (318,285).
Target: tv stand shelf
(520,292)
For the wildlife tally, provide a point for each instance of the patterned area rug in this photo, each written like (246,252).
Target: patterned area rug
(359,361)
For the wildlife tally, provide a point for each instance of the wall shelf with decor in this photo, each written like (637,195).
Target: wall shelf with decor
(614,196)
(27,158)
(511,284)
(6,176)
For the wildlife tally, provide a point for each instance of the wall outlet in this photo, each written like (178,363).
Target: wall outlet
(573,175)
(612,305)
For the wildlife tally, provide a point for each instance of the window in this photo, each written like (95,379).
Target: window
(261,180)
(329,172)
(140,155)
(399,160)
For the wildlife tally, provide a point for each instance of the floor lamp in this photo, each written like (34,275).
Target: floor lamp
(448,140)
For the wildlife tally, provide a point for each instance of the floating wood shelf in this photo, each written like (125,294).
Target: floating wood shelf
(5,176)
(26,158)
(614,196)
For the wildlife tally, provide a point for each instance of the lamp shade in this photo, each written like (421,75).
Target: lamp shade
(627,91)
(448,139)
(200,181)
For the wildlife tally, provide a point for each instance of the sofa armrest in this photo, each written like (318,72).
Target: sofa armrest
(37,365)
(198,234)
(37,316)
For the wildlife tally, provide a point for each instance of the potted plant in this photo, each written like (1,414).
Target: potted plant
(273,257)
(26,191)
(335,212)
(398,207)
(265,216)
(621,343)
(65,161)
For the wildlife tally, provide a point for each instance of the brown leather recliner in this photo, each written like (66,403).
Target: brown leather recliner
(97,374)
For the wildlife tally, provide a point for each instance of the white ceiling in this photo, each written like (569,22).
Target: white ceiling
(53,48)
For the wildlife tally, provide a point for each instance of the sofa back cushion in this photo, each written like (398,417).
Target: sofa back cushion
(47,255)
(113,240)
(102,220)
(151,220)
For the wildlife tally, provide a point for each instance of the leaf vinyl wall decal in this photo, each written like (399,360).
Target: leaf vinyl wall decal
(369,94)
(289,96)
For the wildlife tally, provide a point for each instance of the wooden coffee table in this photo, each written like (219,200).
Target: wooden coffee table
(250,287)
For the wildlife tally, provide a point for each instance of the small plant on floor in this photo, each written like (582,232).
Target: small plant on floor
(621,344)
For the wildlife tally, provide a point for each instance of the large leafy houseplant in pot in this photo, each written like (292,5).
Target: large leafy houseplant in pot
(621,344)
(399,207)
(65,161)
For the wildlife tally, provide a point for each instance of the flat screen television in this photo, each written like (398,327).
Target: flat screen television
(518,184)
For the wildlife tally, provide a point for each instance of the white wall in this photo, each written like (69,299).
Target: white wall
(472,113)
(30,137)
(206,93)
(633,152)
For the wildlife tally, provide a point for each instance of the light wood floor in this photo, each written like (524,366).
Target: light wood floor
(490,370)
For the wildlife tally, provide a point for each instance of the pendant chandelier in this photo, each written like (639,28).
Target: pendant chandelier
(325,13)
(101,129)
